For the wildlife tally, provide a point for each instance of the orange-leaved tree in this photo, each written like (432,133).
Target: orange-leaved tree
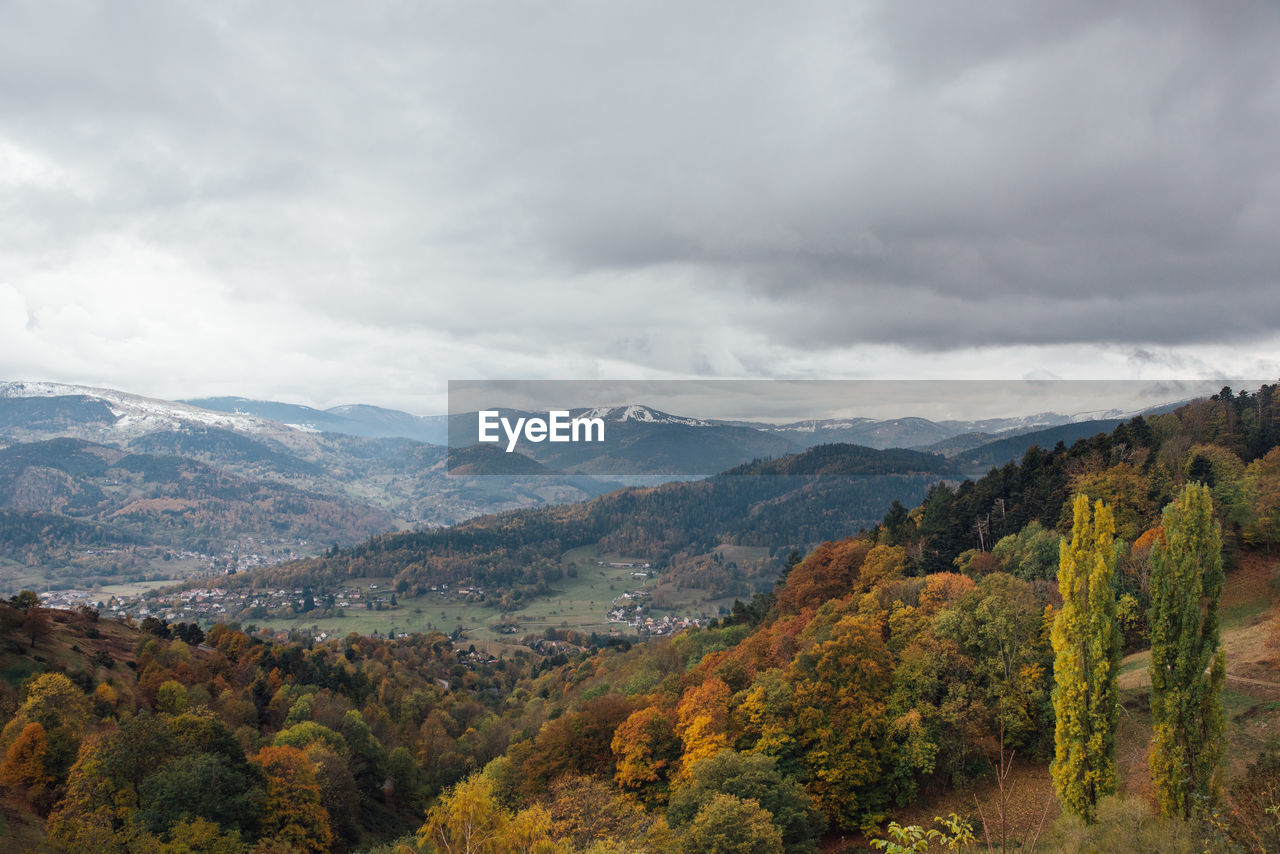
(23,767)
(647,749)
(702,720)
(293,813)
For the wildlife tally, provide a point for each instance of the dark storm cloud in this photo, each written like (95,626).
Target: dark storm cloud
(1079,178)
(733,188)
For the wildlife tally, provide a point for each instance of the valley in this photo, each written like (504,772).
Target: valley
(663,651)
(100,488)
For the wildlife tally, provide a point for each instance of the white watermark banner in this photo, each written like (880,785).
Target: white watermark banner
(696,428)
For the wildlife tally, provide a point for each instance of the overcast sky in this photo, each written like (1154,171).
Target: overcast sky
(355,202)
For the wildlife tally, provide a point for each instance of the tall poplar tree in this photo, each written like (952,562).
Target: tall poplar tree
(1086,646)
(1188,665)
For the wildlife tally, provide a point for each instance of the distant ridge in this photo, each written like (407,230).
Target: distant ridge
(1010,449)
(374,422)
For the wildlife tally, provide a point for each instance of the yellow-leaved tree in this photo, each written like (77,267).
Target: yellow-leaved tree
(1086,645)
(470,820)
(23,767)
(702,721)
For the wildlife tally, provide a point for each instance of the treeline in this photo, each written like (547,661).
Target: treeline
(220,447)
(1137,468)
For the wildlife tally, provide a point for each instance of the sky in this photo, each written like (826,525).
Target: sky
(327,203)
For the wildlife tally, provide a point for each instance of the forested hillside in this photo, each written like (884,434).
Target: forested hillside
(827,492)
(60,497)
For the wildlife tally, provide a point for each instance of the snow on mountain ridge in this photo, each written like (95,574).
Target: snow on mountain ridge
(641,413)
(137,414)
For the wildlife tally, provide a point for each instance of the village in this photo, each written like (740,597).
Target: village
(217,601)
(632,608)
(215,604)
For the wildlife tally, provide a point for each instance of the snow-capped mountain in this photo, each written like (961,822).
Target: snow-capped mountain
(106,414)
(134,414)
(638,413)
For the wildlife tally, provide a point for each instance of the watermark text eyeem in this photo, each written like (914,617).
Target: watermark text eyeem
(558,426)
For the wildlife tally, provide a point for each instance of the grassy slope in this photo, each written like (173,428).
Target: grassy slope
(1251,634)
(1251,698)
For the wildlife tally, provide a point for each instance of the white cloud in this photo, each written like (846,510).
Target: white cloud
(325,203)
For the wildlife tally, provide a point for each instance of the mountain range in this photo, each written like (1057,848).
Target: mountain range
(84,467)
(97,414)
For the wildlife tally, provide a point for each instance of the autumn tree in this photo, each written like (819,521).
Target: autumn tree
(590,813)
(171,698)
(293,813)
(1262,490)
(1000,628)
(751,776)
(1188,665)
(62,710)
(198,836)
(830,571)
(25,600)
(36,625)
(702,720)
(467,820)
(339,794)
(729,825)
(647,751)
(840,716)
(1086,645)
(97,812)
(24,766)
(578,742)
(470,820)
(152,772)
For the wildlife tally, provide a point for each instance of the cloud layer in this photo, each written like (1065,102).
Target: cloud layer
(326,203)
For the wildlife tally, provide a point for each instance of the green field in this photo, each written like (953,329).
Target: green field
(580,603)
(411,614)
(577,603)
